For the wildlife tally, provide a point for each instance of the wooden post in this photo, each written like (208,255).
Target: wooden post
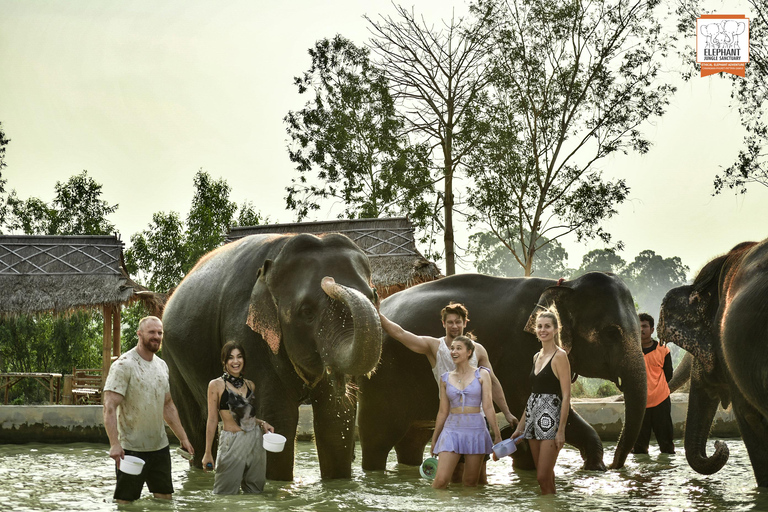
(66,398)
(116,331)
(107,346)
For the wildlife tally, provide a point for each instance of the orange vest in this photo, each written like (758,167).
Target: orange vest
(658,389)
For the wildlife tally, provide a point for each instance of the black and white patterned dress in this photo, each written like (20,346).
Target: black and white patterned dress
(542,413)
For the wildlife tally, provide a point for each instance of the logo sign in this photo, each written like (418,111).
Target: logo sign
(722,43)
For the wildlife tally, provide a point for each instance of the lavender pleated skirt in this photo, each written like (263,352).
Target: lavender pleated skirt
(465,434)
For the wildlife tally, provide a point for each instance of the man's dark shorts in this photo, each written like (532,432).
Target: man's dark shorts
(156,474)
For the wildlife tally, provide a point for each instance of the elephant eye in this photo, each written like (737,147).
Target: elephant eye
(611,333)
(306,313)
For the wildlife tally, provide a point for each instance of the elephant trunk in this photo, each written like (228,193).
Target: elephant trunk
(682,373)
(353,331)
(632,383)
(701,411)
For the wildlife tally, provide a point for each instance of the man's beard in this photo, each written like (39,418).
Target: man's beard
(151,345)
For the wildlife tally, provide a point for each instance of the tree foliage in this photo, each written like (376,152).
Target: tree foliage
(571,83)
(749,95)
(48,342)
(348,135)
(209,218)
(161,255)
(492,257)
(3,203)
(3,142)
(602,260)
(249,216)
(437,75)
(158,256)
(649,276)
(77,209)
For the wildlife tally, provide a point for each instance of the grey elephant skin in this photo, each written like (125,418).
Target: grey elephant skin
(682,374)
(722,320)
(305,338)
(600,330)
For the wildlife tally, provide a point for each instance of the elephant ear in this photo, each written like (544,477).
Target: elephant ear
(688,322)
(262,311)
(553,299)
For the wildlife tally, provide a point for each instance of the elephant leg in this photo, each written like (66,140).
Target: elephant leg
(334,424)
(382,424)
(580,434)
(754,431)
(523,458)
(282,412)
(193,413)
(378,435)
(280,465)
(410,448)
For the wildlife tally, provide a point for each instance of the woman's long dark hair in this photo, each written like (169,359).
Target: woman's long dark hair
(227,349)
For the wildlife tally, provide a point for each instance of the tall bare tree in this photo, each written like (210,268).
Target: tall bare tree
(436,75)
(572,82)
(349,136)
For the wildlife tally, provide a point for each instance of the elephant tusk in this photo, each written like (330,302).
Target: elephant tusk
(328,370)
(619,382)
(327,284)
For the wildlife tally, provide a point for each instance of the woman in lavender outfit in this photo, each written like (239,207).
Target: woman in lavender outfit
(460,428)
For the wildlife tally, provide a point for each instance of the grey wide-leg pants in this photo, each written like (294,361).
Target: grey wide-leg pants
(241,462)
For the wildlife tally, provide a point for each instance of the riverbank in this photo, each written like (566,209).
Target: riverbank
(83,423)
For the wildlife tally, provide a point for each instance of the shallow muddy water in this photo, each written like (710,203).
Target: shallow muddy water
(81,477)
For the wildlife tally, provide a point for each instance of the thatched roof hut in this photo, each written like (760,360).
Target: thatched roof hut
(396,264)
(62,273)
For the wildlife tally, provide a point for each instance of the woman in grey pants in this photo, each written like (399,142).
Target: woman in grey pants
(241,461)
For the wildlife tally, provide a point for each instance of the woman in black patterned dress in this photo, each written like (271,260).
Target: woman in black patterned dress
(546,414)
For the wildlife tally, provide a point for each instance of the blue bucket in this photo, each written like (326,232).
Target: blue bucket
(506,447)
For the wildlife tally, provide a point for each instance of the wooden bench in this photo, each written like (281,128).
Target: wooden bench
(86,386)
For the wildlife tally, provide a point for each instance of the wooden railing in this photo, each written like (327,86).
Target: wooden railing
(50,381)
(86,386)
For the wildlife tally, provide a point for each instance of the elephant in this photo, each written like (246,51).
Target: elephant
(600,331)
(722,320)
(303,308)
(682,374)
(710,31)
(733,28)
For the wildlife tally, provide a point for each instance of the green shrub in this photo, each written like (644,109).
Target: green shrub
(607,389)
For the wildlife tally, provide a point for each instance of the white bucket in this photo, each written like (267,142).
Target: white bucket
(131,465)
(274,442)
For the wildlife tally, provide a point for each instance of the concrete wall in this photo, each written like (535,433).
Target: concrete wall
(74,423)
(51,424)
(607,417)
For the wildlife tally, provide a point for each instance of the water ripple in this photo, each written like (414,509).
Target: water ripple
(39,477)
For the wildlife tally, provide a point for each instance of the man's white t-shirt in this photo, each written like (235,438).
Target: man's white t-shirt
(143,384)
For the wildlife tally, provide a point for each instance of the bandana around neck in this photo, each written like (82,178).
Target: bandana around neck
(235,381)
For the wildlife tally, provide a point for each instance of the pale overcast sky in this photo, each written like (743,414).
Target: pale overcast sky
(144,93)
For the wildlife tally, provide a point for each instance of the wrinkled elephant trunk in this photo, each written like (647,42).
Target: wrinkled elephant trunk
(701,411)
(633,385)
(353,331)
(682,373)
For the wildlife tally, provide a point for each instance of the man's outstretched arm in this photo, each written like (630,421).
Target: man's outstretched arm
(418,344)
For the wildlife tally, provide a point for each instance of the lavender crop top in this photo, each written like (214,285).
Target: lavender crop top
(470,396)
